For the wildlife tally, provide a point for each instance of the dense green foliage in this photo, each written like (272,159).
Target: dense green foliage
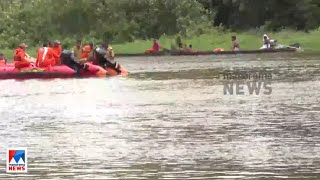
(114,20)
(35,21)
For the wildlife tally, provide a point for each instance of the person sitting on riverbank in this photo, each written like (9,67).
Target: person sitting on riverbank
(3,60)
(46,57)
(235,44)
(268,43)
(19,58)
(155,47)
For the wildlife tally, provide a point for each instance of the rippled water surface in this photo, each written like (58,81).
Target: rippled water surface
(169,119)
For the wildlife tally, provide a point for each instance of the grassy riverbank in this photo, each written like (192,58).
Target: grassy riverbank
(214,39)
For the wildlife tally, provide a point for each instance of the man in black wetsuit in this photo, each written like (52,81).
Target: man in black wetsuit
(68,59)
(100,58)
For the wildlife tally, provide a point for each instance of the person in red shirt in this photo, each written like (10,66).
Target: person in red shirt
(57,50)
(20,60)
(86,51)
(155,47)
(46,56)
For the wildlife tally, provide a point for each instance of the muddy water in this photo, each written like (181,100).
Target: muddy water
(169,119)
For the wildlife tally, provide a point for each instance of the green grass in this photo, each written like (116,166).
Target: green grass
(250,40)
(217,39)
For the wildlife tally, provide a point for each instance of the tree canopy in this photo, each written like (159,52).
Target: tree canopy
(35,21)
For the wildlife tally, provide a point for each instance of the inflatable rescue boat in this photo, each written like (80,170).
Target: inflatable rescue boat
(8,71)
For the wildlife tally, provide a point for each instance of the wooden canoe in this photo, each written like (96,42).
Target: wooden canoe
(196,53)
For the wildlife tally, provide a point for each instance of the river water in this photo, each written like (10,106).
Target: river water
(169,119)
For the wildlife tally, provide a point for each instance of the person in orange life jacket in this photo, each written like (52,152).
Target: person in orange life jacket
(20,60)
(46,56)
(155,47)
(86,51)
(56,52)
(57,46)
(3,60)
(57,49)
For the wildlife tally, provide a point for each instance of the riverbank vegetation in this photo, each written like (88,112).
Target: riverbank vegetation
(130,25)
(249,40)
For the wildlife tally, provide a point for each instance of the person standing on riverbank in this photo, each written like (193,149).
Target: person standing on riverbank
(235,44)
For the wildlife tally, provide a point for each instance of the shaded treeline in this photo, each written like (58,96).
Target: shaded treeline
(272,14)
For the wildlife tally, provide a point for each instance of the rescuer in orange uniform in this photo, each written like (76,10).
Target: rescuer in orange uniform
(20,60)
(57,50)
(46,56)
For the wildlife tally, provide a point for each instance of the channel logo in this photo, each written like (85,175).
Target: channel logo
(17,160)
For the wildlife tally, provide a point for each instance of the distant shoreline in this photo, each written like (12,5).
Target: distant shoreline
(211,40)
